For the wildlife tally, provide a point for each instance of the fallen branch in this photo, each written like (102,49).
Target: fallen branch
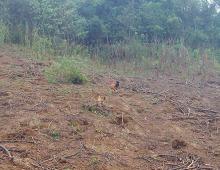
(145,158)
(6,151)
(168,157)
(17,141)
(69,156)
(183,118)
(179,167)
(59,157)
(202,110)
(178,106)
(206,168)
(193,163)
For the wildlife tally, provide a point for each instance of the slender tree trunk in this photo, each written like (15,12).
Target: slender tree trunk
(30,35)
(30,32)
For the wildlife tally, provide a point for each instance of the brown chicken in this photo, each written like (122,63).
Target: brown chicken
(115,85)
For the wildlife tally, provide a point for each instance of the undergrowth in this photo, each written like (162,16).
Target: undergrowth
(3,33)
(64,70)
(132,58)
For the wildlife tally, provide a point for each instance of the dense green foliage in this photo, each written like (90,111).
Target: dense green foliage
(194,22)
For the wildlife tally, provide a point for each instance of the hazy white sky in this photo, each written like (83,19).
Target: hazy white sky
(218,9)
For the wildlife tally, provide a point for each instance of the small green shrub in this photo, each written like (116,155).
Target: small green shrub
(55,135)
(42,44)
(64,71)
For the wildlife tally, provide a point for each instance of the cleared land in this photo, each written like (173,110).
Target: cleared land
(150,123)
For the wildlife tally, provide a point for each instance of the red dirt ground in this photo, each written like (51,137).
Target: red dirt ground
(150,123)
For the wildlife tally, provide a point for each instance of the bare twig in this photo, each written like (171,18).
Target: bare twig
(183,118)
(59,158)
(6,151)
(178,106)
(72,155)
(205,110)
(18,141)
(184,166)
(192,165)
(144,158)
(168,156)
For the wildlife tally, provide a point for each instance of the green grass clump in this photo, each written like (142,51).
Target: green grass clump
(65,71)
(55,135)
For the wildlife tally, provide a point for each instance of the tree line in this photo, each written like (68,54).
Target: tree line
(196,23)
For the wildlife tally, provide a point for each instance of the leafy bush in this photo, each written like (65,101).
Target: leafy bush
(64,71)
(42,44)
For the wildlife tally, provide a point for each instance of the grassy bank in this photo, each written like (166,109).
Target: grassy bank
(75,63)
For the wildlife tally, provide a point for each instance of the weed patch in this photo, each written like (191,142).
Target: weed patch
(64,71)
(55,135)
